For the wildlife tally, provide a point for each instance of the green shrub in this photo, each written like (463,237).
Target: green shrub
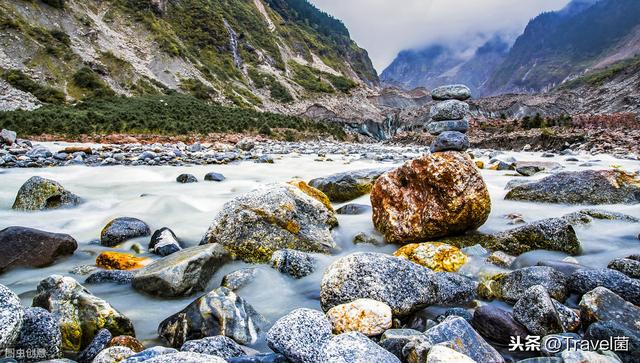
(277,90)
(88,80)
(309,78)
(43,93)
(342,84)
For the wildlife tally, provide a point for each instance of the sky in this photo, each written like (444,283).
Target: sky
(385,27)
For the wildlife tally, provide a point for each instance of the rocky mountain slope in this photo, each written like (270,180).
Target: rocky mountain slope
(275,55)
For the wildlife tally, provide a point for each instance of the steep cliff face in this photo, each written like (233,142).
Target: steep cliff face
(276,55)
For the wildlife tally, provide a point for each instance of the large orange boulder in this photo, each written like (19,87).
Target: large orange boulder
(437,195)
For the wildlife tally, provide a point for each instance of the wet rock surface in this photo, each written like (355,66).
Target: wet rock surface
(40,194)
(343,187)
(355,347)
(300,335)
(11,315)
(583,281)
(24,246)
(122,229)
(40,331)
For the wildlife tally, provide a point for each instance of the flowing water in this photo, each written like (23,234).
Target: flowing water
(153,195)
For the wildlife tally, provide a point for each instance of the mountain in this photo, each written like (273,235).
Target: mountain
(438,64)
(261,54)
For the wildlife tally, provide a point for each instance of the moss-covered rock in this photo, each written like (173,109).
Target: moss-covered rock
(39,194)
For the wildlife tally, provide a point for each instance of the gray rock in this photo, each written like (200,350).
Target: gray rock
(568,317)
(354,209)
(164,242)
(11,314)
(601,304)
(181,273)
(219,312)
(438,127)
(497,325)
(403,285)
(39,152)
(449,110)
(293,263)
(300,335)
(514,285)
(554,234)
(260,358)
(581,187)
(8,137)
(120,277)
(529,170)
(147,354)
(40,194)
(467,341)
(185,357)
(345,186)
(454,289)
(451,92)
(580,356)
(24,246)
(186,178)
(355,347)
(565,267)
(122,229)
(254,225)
(212,176)
(463,313)
(246,144)
(264,159)
(585,216)
(611,330)
(219,345)
(99,343)
(536,311)
(40,331)
(393,340)
(550,346)
(113,354)
(583,281)
(239,278)
(450,140)
(79,314)
(627,266)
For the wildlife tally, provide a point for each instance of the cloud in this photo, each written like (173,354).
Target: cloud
(385,27)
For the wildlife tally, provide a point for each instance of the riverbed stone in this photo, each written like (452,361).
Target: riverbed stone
(40,332)
(450,141)
(454,289)
(185,357)
(293,263)
(164,242)
(611,330)
(569,318)
(585,216)
(443,354)
(218,345)
(458,331)
(11,314)
(367,316)
(394,340)
(627,266)
(120,277)
(514,285)
(451,92)
(181,273)
(345,186)
(353,209)
(239,278)
(113,355)
(213,176)
(536,311)
(79,314)
(122,229)
(449,110)
(24,246)
(433,255)
(602,304)
(583,281)
(99,342)
(497,325)
(581,187)
(354,347)
(8,137)
(186,179)
(432,196)
(404,286)
(219,312)
(147,354)
(112,260)
(126,341)
(529,170)
(580,356)
(553,234)
(300,335)
(438,127)
(39,193)
(254,225)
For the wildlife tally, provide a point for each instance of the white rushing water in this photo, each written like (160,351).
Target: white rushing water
(153,195)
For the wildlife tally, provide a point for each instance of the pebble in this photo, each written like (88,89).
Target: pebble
(294,263)
(300,335)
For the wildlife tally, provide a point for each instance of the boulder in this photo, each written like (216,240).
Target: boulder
(612,331)
(345,186)
(438,127)
(216,177)
(366,316)
(434,255)
(147,354)
(246,144)
(80,315)
(300,335)
(8,137)
(450,141)
(164,242)
(394,340)
(405,286)
(219,346)
(602,305)
(582,356)
(120,261)
(113,355)
(451,92)
(514,285)
(219,312)
(454,289)
(354,347)
(433,196)
(627,266)
(186,178)
(185,357)
(583,281)
(497,325)
(554,234)
(40,194)
(443,354)
(40,333)
(353,209)
(120,277)
(24,246)
(11,314)
(467,341)
(99,343)
(253,226)
(529,170)
(181,273)
(122,229)
(536,311)
(293,263)
(239,278)
(581,187)
(449,110)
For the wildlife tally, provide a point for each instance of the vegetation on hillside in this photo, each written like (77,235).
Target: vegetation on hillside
(598,77)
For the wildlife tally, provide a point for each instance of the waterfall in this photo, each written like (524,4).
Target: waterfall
(233,41)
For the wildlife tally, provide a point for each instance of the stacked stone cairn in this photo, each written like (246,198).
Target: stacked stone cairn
(448,120)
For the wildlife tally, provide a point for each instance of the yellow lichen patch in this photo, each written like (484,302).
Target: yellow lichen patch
(120,261)
(312,192)
(494,166)
(479,164)
(435,255)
